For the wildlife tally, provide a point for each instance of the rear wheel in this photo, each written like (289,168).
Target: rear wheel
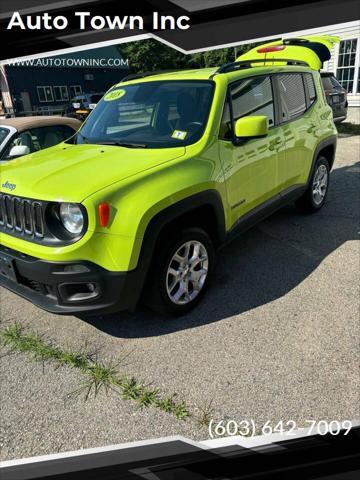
(180,272)
(314,197)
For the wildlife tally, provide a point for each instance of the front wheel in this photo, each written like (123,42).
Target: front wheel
(315,195)
(180,272)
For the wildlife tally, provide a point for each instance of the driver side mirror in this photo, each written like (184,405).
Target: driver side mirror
(18,151)
(251,127)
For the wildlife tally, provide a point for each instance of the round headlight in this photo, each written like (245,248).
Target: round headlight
(72,217)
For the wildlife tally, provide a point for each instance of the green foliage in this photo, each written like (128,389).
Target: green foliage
(131,388)
(180,411)
(167,403)
(152,55)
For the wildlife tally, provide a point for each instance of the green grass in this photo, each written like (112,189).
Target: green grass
(350,128)
(98,376)
(205,415)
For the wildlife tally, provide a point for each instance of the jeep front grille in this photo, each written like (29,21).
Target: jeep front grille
(21,216)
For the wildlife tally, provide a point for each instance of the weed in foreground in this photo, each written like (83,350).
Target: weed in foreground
(99,376)
(149,396)
(205,415)
(180,411)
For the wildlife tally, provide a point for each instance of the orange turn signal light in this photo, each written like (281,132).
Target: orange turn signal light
(104,214)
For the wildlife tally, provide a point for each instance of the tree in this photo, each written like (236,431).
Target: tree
(152,55)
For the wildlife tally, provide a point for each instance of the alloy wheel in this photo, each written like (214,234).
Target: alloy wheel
(320,184)
(187,272)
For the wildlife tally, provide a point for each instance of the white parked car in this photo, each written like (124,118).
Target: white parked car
(22,135)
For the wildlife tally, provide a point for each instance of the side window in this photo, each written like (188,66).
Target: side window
(75,90)
(225,126)
(45,137)
(61,93)
(309,82)
(252,96)
(292,96)
(45,94)
(38,138)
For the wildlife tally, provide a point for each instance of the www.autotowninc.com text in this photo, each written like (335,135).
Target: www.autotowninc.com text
(59,62)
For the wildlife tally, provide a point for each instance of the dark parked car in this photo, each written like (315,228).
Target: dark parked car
(81,105)
(336,96)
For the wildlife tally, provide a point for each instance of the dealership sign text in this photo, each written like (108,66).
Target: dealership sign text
(97,22)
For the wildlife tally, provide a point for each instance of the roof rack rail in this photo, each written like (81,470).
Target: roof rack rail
(233,66)
(135,76)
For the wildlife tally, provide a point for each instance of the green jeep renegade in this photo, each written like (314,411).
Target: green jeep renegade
(166,169)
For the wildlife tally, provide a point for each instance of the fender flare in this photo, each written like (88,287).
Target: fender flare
(330,141)
(205,198)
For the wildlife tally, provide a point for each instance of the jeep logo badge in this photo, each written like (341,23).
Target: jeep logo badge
(10,186)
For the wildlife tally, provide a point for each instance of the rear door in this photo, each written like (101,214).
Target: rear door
(299,125)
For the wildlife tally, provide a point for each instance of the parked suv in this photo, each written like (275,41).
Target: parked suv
(81,105)
(336,96)
(165,170)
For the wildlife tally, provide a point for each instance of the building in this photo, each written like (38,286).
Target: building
(47,85)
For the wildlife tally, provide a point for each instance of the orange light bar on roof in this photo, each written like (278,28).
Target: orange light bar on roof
(274,48)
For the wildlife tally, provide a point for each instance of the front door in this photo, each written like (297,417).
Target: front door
(250,169)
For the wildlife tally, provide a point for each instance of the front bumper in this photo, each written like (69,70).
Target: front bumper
(68,287)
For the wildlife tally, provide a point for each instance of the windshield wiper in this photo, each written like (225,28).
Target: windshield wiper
(124,144)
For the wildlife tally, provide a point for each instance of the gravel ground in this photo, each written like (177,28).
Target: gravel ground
(275,339)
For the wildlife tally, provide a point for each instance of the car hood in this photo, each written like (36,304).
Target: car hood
(73,172)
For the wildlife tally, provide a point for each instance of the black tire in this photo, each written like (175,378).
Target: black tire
(308,202)
(156,296)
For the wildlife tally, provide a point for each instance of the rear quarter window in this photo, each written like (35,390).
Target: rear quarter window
(310,85)
(292,96)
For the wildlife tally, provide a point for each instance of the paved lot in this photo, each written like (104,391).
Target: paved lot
(353,115)
(275,339)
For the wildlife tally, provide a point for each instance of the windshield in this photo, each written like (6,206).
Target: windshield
(151,114)
(4,132)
